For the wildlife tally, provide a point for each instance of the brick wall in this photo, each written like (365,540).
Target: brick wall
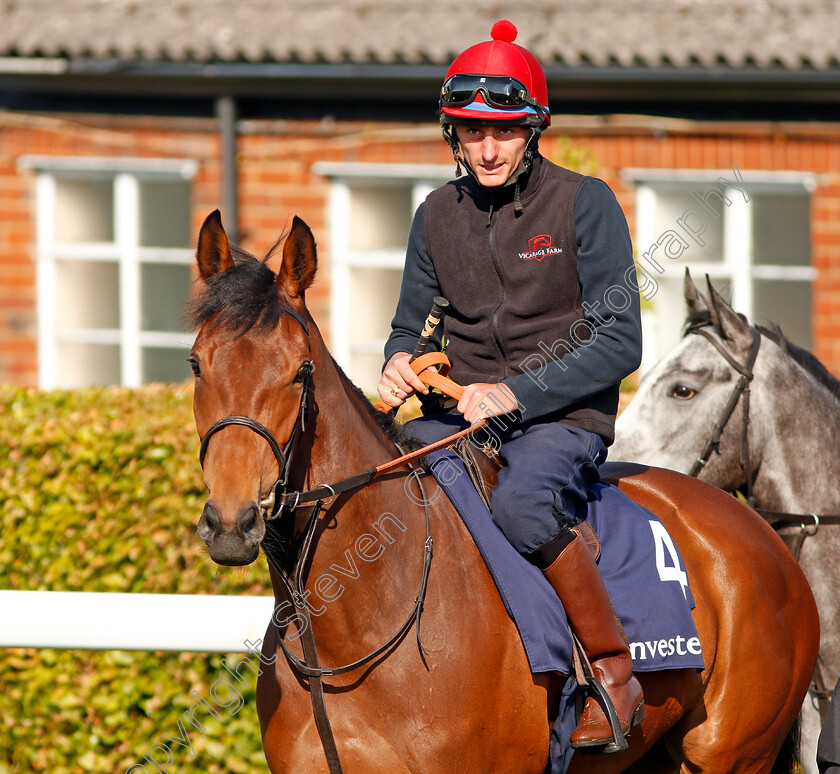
(275,182)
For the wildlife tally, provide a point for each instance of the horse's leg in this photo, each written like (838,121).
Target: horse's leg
(747,709)
(810,734)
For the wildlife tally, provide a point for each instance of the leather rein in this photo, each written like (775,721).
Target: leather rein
(432,368)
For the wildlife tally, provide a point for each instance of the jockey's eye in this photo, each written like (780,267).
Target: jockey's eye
(682,392)
(196,368)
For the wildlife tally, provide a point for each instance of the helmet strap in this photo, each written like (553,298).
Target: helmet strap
(451,138)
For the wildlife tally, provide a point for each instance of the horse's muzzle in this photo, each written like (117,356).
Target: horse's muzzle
(237,546)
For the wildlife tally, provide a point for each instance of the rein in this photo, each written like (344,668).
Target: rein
(432,368)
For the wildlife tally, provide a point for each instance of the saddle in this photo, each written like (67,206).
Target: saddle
(483,465)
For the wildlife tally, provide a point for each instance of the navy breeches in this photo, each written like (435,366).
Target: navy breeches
(549,468)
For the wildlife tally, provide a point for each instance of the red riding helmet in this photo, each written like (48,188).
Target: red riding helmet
(495,81)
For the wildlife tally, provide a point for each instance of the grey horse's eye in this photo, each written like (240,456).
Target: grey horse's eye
(682,392)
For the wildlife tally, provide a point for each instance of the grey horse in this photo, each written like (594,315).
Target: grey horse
(745,409)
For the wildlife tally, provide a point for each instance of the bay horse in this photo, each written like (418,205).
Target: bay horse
(778,445)
(461,697)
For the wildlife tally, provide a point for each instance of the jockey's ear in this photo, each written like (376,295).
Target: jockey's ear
(695,302)
(300,261)
(730,324)
(213,254)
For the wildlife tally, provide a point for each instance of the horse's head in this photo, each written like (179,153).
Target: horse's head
(252,362)
(679,401)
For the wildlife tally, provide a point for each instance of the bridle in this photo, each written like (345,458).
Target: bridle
(283,454)
(280,501)
(805,524)
(276,503)
(742,388)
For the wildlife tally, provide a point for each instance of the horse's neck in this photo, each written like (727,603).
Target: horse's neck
(797,421)
(364,569)
(347,439)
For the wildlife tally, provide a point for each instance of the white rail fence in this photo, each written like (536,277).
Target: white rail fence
(105,621)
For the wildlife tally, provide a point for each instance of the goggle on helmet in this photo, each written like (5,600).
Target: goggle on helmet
(496,81)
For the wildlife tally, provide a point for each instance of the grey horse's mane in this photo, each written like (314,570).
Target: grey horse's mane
(807,360)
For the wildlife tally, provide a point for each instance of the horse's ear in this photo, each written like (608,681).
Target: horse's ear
(730,324)
(694,300)
(300,260)
(213,254)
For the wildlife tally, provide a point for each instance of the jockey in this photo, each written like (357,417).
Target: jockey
(543,323)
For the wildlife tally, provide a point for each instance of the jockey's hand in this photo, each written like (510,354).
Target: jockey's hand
(481,400)
(399,381)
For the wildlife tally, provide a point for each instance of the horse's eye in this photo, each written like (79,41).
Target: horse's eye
(682,392)
(305,370)
(196,368)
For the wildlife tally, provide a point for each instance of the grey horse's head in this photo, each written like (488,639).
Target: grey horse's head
(670,420)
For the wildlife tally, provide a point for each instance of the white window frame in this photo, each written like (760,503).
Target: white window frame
(423,179)
(125,250)
(737,266)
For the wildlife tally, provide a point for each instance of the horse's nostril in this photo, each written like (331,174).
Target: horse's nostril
(212,518)
(248,521)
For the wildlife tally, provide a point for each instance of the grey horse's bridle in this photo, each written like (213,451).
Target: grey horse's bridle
(779,520)
(742,388)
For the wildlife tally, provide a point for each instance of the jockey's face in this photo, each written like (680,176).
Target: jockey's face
(493,153)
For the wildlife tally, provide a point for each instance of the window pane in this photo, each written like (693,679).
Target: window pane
(380,217)
(781,229)
(88,294)
(681,224)
(84,210)
(788,304)
(374,294)
(164,290)
(164,213)
(165,364)
(85,365)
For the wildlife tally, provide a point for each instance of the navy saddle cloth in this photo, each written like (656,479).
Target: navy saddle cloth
(641,565)
(642,569)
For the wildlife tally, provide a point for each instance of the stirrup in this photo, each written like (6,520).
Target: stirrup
(619,739)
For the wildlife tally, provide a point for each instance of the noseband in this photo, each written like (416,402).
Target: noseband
(742,387)
(271,505)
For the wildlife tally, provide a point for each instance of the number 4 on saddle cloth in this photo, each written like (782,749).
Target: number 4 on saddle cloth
(642,570)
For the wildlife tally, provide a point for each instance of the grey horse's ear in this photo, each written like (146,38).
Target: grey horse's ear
(694,300)
(731,325)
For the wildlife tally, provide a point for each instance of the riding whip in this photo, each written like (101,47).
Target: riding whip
(429,327)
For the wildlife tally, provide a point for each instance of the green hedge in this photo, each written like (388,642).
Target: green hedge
(100,490)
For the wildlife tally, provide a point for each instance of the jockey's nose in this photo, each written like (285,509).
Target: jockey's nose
(489,148)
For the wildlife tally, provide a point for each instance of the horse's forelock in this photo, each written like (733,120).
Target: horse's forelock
(698,319)
(805,359)
(241,297)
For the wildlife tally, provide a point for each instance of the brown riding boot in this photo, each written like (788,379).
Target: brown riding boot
(578,582)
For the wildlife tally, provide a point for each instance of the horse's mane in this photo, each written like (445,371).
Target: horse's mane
(241,297)
(394,430)
(805,359)
(246,295)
